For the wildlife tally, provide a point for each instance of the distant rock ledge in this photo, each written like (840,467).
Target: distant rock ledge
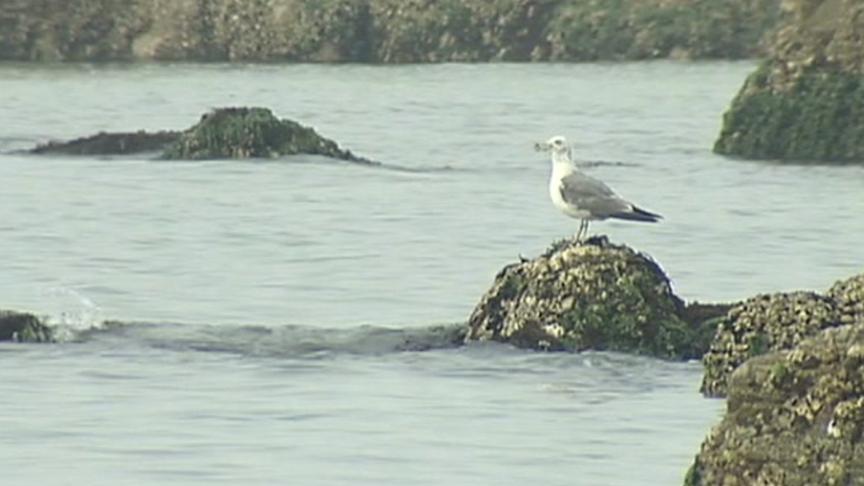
(388,31)
(225,133)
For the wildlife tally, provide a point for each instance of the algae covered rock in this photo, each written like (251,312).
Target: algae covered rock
(594,295)
(111,144)
(793,418)
(806,102)
(23,327)
(251,132)
(761,324)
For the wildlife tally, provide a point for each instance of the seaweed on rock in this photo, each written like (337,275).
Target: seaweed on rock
(251,132)
(595,295)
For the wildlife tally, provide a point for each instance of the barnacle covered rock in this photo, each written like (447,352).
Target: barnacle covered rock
(761,324)
(849,296)
(594,295)
(793,417)
(382,30)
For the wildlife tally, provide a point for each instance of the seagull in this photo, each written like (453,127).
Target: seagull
(584,197)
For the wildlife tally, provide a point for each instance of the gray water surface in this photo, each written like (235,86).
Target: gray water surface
(224,266)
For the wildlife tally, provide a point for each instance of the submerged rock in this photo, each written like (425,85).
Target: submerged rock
(594,295)
(111,144)
(794,418)
(23,327)
(806,102)
(240,133)
(224,133)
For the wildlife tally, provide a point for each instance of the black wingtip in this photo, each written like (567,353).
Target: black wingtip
(639,214)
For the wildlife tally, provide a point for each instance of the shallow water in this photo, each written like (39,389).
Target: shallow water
(254,284)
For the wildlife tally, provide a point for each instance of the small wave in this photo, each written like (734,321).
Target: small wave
(285,341)
(70,312)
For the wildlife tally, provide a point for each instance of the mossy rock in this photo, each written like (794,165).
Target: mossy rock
(762,324)
(240,133)
(111,144)
(23,327)
(806,101)
(793,417)
(819,118)
(594,295)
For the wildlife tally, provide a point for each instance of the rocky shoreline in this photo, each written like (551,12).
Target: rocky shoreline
(384,31)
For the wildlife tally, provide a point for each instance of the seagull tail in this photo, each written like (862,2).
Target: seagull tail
(638,214)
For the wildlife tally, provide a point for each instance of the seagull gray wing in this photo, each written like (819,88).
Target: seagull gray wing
(592,195)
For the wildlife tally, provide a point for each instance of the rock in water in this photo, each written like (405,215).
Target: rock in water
(23,327)
(594,295)
(762,324)
(806,102)
(793,418)
(111,144)
(239,133)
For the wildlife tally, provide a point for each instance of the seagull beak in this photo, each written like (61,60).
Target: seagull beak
(541,146)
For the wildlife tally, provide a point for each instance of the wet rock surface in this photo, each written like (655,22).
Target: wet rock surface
(111,144)
(806,102)
(762,324)
(794,417)
(23,327)
(594,295)
(382,30)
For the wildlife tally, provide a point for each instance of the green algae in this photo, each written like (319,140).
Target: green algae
(589,296)
(819,118)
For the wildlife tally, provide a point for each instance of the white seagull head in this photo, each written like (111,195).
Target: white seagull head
(557,145)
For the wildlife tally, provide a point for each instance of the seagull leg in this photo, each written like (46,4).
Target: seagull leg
(581,229)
